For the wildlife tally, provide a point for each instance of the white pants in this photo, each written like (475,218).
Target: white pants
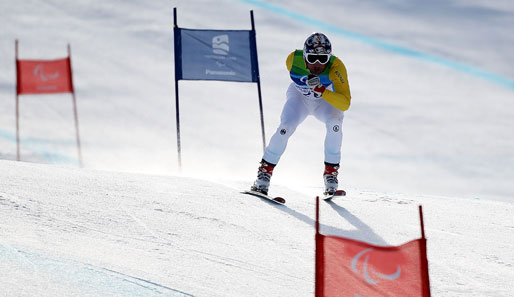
(296,109)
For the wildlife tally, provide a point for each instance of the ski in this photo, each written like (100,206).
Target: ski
(338,193)
(278,200)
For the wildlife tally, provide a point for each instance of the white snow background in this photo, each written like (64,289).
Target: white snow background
(421,130)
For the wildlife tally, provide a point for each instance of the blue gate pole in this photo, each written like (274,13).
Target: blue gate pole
(177,110)
(258,82)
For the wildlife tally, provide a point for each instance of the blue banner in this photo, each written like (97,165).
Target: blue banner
(226,55)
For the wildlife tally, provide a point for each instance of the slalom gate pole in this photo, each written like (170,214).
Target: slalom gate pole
(177,116)
(75,112)
(17,128)
(17,104)
(258,83)
(177,107)
(424,260)
(318,250)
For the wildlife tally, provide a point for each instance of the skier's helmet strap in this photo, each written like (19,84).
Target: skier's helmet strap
(317,43)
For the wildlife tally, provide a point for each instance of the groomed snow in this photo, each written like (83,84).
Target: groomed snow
(132,224)
(80,232)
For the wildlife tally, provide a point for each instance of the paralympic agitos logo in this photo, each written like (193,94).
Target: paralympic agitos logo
(43,76)
(370,274)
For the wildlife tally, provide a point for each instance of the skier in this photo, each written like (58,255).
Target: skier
(320,88)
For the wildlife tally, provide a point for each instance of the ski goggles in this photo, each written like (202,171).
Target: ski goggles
(313,58)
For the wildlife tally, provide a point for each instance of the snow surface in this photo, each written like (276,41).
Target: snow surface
(132,224)
(80,232)
(414,126)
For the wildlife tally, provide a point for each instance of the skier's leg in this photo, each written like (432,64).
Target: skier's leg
(333,119)
(293,113)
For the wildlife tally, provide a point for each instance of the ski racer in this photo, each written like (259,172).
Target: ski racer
(319,88)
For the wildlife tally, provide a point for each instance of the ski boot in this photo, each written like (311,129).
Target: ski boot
(330,178)
(264,173)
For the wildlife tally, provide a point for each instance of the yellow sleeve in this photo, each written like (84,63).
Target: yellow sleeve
(341,98)
(289,61)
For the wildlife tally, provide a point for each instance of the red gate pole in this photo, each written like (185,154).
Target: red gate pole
(318,274)
(75,113)
(424,260)
(17,104)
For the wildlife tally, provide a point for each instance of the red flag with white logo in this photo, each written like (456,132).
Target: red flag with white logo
(351,268)
(44,76)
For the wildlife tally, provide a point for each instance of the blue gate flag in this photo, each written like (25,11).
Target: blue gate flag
(225,55)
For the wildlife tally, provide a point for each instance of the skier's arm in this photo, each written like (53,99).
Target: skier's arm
(289,61)
(341,98)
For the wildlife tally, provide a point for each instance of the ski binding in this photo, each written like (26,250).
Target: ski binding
(338,193)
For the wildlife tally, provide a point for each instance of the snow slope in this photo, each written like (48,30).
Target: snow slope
(79,232)
(419,131)
(415,126)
